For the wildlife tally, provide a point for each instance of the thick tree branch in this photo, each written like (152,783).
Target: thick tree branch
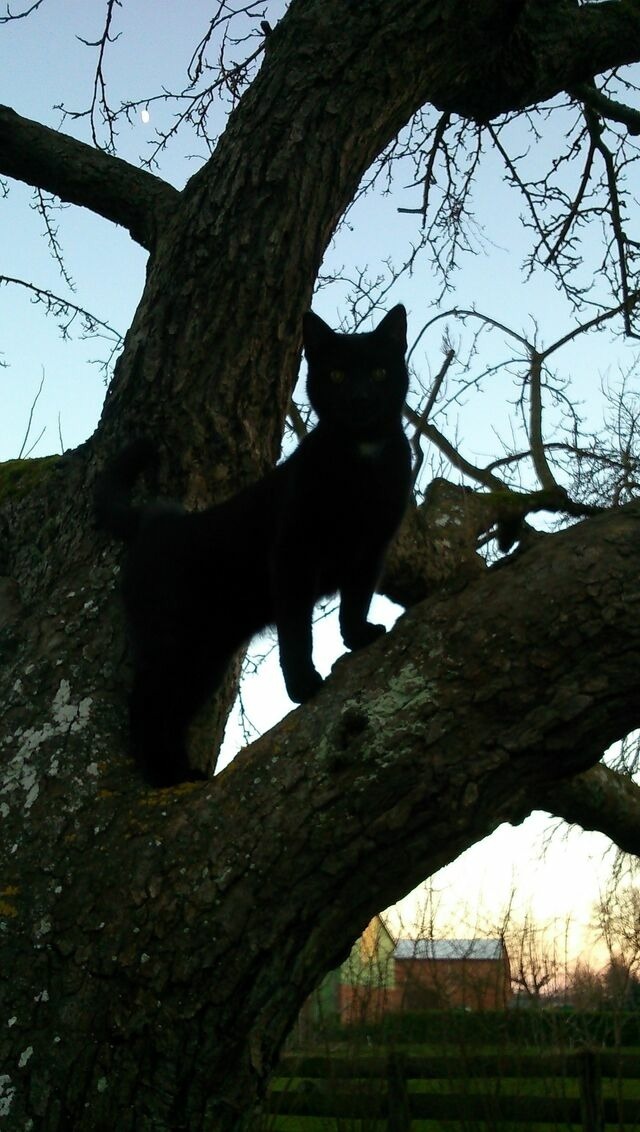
(606,34)
(599,799)
(476,706)
(81,175)
(437,543)
(536,51)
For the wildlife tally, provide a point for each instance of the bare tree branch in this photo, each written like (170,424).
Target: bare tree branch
(22,453)
(424,416)
(67,311)
(627,305)
(19,15)
(295,416)
(428,179)
(82,175)
(480,475)
(622,241)
(575,207)
(538,454)
(553,491)
(195,101)
(44,207)
(607,107)
(99,101)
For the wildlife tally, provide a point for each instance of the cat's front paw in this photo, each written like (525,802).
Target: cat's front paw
(364,635)
(303,686)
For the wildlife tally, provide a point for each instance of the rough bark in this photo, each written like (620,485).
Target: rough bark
(161,910)
(603,800)
(157,945)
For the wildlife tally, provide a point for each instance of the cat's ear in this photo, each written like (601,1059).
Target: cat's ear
(316,335)
(394,326)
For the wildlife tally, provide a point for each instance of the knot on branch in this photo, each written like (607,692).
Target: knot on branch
(438,543)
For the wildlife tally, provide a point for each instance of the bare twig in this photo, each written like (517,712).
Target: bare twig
(575,207)
(623,464)
(20,15)
(44,207)
(524,188)
(429,178)
(480,475)
(194,101)
(622,242)
(424,416)
(57,305)
(469,312)
(21,453)
(67,313)
(99,101)
(298,425)
(555,213)
(626,306)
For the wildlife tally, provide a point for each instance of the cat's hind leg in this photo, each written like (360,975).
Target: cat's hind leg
(164,698)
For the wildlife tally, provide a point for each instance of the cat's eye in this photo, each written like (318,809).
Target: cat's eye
(336,376)
(379,373)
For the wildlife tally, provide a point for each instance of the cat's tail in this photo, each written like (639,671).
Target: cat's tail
(113,509)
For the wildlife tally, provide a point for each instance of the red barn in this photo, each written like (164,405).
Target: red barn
(382,975)
(437,974)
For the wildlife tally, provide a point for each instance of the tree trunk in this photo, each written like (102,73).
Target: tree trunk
(157,945)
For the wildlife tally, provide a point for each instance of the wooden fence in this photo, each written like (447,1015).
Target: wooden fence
(585,1088)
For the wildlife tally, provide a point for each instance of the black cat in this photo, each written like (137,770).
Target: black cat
(197,585)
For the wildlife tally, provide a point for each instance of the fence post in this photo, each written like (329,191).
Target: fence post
(590,1081)
(399,1112)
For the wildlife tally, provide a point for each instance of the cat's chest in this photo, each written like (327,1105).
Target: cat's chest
(356,493)
(358,475)
(369,450)
(350,482)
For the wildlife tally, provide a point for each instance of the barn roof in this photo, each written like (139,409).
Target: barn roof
(449,949)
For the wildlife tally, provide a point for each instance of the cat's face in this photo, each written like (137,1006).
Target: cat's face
(357,383)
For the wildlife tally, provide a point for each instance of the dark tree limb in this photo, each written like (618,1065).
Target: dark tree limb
(599,799)
(622,243)
(80,174)
(607,107)
(477,706)
(587,40)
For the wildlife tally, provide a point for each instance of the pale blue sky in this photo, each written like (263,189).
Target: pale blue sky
(42,63)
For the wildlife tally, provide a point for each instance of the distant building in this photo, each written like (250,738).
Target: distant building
(366,984)
(437,974)
(383,975)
